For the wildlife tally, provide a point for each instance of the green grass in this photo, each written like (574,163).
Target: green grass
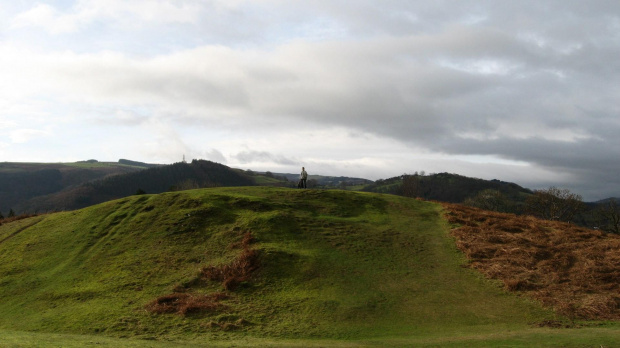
(567,338)
(338,268)
(355,187)
(267,181)
(89,165)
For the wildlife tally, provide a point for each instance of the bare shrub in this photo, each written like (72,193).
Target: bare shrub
(238,270)
(184,304)
(167,303)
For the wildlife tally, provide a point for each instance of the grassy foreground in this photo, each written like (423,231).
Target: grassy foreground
(568,338)
(337,268)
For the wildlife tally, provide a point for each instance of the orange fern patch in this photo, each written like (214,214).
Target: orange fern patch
(572,269)
(231,275)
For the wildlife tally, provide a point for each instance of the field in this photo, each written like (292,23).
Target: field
(258,266)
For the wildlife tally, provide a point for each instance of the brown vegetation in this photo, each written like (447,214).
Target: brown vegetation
(15,218)
(239,270)
(184,303)
(572,269)
(231,275)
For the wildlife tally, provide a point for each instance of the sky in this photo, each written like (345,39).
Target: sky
(520,91)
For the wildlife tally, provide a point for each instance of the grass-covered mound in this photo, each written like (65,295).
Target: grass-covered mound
(250,262)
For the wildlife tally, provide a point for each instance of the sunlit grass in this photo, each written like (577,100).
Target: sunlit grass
(351,268)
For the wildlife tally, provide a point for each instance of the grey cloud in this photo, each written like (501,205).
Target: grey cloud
(534,81)
(250,156)
(591,164)
(560,79)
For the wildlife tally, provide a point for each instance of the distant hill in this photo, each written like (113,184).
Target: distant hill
(445,187)
(454,188)
(155,179)
(607,200)
(137,164)
(41,187)
(20,182)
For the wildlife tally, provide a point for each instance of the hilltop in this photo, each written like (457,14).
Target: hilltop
(446,187)
(254,262)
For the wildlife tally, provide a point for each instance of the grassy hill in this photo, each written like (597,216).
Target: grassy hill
(258,266)
(20,182)
(151,179)
(314,181)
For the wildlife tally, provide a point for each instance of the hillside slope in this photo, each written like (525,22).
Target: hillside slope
(332,264)
(20,182)
(310,263)
(177,176)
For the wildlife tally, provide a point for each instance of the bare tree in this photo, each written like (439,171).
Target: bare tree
(489,199)
(608,214)
(554,204)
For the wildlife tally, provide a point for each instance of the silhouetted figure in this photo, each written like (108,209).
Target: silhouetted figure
(303,177)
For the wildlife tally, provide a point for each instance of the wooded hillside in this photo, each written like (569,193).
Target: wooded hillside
(178,176)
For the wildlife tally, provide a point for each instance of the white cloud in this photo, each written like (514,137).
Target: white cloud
(47,17)
(481,66)
(261,158)
(20,136)
(215,156)
(117,12)
(7,123)
(160,141)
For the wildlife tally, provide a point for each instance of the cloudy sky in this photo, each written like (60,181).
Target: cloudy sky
(522,91)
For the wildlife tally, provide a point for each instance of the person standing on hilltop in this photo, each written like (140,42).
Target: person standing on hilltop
(302,178)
